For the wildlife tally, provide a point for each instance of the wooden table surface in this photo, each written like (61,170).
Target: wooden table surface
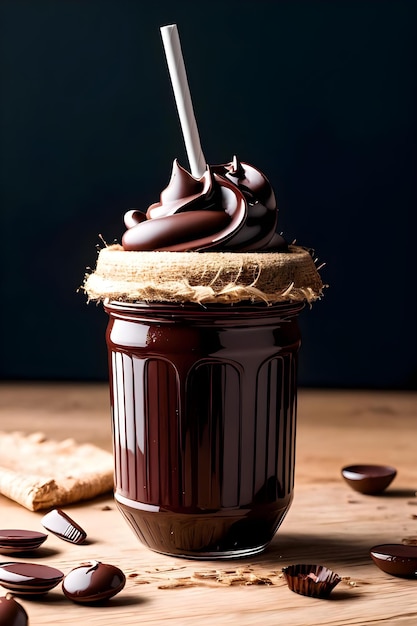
(328,522)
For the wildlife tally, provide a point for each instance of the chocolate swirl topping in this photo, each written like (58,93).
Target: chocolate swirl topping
(232,207)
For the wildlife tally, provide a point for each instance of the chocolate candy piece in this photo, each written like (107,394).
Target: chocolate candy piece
(63,526)
(14,540)
(316,581)
(29,578)
(369,479)
(93,582)
(396,559)
(12,613)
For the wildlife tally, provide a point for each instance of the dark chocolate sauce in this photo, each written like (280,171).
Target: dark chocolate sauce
(203,403)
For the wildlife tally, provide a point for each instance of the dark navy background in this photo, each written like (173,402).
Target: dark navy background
(320,95)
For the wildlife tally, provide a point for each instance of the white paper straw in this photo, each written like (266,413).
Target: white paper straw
(182,95)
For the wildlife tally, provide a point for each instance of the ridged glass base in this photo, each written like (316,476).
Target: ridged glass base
(223,534)
(215,556)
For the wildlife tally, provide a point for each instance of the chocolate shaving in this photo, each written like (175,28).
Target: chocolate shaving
(243,576)
(410,541)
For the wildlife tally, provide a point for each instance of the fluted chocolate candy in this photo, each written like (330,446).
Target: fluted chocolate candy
(312,580)
(93,582)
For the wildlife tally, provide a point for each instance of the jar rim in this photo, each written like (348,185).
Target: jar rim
(245,310)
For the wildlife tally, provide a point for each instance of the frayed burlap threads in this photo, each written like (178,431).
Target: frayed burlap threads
(204,277)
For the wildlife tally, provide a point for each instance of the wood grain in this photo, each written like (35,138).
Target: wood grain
(328,522)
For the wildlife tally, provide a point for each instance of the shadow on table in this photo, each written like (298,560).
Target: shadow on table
(56,597)
(400,493)
(308,548)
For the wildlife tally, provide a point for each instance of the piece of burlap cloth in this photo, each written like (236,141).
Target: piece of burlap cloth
(204,277)
(41,473)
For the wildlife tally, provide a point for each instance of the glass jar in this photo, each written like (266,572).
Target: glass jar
(204,419)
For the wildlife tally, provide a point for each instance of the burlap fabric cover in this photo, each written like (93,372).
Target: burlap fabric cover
(203,277)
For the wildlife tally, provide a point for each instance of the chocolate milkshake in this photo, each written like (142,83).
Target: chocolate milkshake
(203,364)
(203,297)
